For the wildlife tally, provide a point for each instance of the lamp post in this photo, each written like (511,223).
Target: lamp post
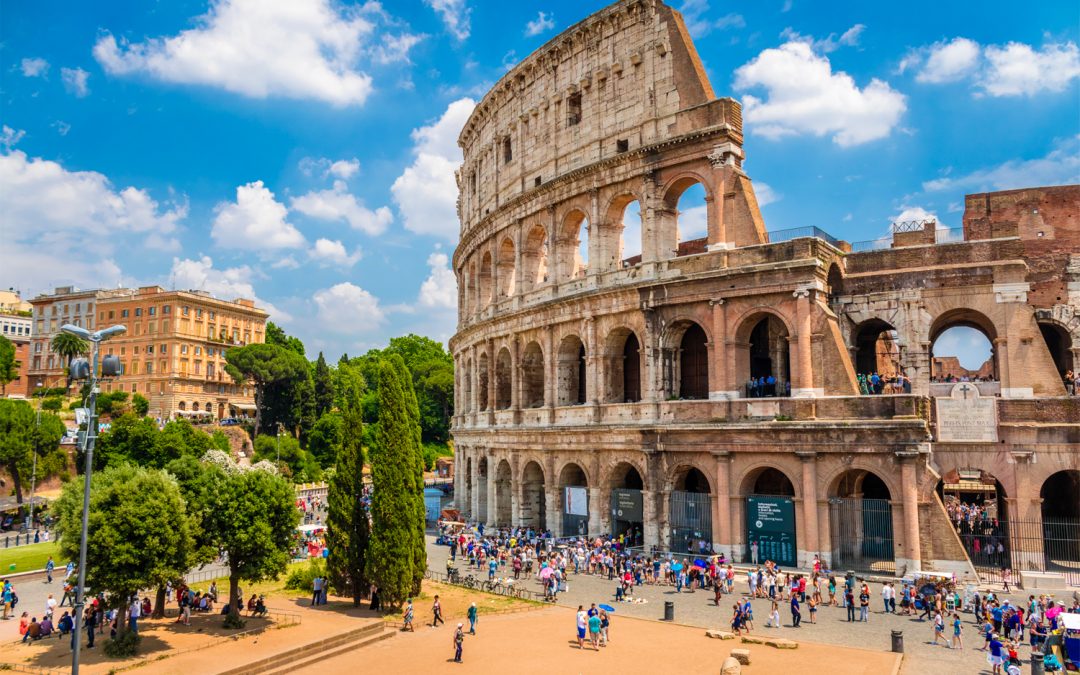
(95,340)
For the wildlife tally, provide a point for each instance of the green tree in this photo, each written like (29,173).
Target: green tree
(263,365)
(397,499)
(139,518)
(324,386)
(69,346)
(251,520)
(348,527)
(140,405)
(9,365)
(21,437)
(276,336)
(324,441)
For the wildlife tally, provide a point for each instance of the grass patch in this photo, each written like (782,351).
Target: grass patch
(30,558)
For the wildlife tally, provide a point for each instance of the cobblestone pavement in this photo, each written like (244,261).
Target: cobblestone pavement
(832,627)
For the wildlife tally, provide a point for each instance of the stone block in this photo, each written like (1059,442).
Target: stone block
(731,666)
(719,634)
(742,655)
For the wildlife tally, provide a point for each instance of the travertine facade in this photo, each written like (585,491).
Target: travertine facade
(579,366)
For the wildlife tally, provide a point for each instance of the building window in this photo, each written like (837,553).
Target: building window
(573,110)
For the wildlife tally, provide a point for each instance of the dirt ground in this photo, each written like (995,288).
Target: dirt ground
(543,641)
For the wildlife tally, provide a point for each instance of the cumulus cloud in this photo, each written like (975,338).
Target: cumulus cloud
(256,221)
(426,192)
(1013,69)
(54,219)
(454,15)
(346,309)
(439,290)
(300,50)
(541,24)
(227,284)
(1060,166)
(699,25)
(339,205)
(75,81)
(328,252)
(805,96)
(34,67)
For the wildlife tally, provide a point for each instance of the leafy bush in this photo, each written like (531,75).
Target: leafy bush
(122,646)
(301,577)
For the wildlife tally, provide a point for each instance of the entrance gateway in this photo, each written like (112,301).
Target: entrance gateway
(770,523)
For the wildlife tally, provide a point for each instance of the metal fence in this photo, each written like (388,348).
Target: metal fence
(862,534)
(1047,545)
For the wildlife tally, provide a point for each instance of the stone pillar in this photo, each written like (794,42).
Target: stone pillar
(597,510)
(913,545)
(804,379)
(809,515)
(722,515)
(552,512)
(650,531)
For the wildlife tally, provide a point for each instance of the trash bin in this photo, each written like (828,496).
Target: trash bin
(1036,663)
(898,641)
(669,610)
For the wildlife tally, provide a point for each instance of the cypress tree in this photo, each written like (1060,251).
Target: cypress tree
(324,387)
(348,527)
(396,502)
(419,543)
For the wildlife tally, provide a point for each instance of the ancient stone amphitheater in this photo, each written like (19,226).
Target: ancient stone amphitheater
(604,363)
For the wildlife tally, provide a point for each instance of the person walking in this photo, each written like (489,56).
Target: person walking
(472,614)
(459,641)
(436,613)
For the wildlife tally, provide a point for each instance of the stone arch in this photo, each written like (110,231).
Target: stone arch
(686,360)
(532,376)
(942,366)
(571,371)
(503,379)
(532,510)
(507,269)
(622,242)
(1059,343)
(534,258)
(875,342)
(486,282)
(762,350)
(572,247)
(503,493)
(482,379)
(623,367)
(673,232)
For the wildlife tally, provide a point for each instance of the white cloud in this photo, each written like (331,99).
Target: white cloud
(454,15)
(804,96)
(338,204)
(1061,166)
(64,227)
(1018,70)
(426,191)
(950,61)
(300,50)
(35,67)
(346,308)
(1014,69)
(333,253)
(227,284)
(849,38)
(541,24)
(765,194)
(256,221)
(75,81)
(439,290)
(693,13)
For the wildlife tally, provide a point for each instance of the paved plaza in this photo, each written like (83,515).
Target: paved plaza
(697,609)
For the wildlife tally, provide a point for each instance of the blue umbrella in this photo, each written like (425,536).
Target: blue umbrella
(607,608)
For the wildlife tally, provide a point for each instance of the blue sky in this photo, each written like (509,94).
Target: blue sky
(303,153)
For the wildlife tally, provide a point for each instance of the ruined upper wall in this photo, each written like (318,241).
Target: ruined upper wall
(611,83)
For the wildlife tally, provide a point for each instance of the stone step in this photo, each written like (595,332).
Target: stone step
(304,651)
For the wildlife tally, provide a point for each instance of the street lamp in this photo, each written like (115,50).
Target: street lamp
(89,371)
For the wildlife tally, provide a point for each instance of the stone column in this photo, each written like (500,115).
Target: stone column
(650,530)
(810,508)
(804,380)
(912,543)
(722,518)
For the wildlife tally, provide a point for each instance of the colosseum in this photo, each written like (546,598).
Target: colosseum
(706,393)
